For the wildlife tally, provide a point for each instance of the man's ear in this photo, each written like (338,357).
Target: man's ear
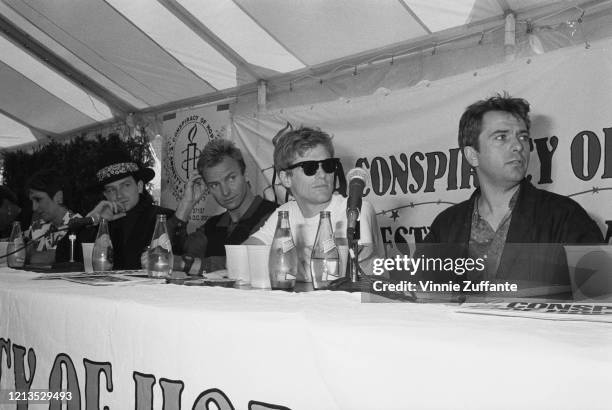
(285,178)
(58,197)
(140,187)
(471,155)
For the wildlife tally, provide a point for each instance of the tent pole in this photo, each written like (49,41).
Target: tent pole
(510,37)
(262,89)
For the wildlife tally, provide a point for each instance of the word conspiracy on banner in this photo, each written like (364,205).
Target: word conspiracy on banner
(590,156)
(411,173)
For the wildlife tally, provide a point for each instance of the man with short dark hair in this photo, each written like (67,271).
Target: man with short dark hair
(221,169)
(506,215)
(305,165)
(47,191)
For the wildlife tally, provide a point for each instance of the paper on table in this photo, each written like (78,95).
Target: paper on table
(218,274)
(60,275)
(110,279)
(586,312)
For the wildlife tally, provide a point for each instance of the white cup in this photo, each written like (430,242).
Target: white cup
(237,262)
(3,246)
(87,251)
(258,264)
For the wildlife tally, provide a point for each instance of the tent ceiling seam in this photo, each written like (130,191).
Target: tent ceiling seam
(76,40)
(49,93)
(270,34)
(60,101)
(208,36)
(169,54)
(29,126)
(62,67)
(415,17)
(129,105)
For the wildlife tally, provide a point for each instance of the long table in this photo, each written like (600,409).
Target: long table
(154,346)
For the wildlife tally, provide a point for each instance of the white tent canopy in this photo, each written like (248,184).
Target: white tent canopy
(70,65)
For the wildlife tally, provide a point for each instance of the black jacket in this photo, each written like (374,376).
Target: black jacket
(210,239)
(541,223)
(130,235)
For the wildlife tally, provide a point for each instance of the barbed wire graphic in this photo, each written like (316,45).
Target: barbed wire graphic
(394,212)
(594,190)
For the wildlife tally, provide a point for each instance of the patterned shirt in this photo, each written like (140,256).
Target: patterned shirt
(488,243)
(55,233)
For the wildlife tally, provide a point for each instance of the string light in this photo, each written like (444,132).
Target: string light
(576,26)
(534,41)
(587,45)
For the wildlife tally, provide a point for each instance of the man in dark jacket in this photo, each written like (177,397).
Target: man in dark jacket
(128,207)
(515,230)
(221,169)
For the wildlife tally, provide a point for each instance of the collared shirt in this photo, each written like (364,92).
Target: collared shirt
(48,233)
(488,243)
(227,223)
(219,230)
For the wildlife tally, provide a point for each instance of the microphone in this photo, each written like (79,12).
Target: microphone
(357,178)
(76,224)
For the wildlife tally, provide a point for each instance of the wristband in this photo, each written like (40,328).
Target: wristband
(198,267)
(188,261)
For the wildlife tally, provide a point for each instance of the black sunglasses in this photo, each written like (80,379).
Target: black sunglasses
(310,168)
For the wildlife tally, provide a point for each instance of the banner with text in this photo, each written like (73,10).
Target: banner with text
(407,139)
(186,133)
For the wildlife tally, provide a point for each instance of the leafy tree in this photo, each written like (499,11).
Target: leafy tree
(77,160)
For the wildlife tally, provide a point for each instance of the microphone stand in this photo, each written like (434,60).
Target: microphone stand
(352,282)
(356,280)
(353,258)
(71,265)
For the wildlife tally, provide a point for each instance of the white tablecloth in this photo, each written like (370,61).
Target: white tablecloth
(315,350)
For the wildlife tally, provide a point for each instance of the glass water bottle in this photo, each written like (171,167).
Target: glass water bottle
(325,259)
(16,245)
(282,264)
(160,257)
(102,255)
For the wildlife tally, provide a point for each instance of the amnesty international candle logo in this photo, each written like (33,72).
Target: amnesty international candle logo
(184,148)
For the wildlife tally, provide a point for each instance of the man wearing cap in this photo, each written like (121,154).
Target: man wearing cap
(127,206)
